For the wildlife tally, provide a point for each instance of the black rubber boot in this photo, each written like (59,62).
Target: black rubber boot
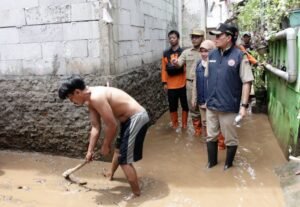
(231,150)
(212,152)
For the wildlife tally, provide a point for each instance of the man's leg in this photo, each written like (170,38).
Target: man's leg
(131,149)
(203,121)
(230,133)
(184,107)
(173,106)
(213,128)
(194,112)
(114,166)
(132,178)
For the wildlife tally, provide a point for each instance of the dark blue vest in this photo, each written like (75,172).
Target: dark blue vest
(224,87)
(201,84)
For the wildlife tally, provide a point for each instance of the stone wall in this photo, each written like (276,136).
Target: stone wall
(34,118)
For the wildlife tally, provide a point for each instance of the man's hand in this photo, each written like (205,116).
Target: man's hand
(243,111)
(193,104)
(89,156)
(165,88)
(105,150)
(175,62)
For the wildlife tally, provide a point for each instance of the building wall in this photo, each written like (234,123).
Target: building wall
(284,101)
(193,15)
(41,37)
(140,31)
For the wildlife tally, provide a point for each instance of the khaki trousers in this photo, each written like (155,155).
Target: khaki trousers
(203,116)
(194,112)
(215,121)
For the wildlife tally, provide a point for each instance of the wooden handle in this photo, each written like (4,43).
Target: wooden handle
(74,169)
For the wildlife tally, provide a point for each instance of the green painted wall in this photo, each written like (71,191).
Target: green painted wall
(284,99)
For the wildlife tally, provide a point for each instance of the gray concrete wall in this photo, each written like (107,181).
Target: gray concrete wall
(140,31)
(34,118)
(193,15)
(42,37)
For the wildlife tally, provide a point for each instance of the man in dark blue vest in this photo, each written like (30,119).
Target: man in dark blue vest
(229,84)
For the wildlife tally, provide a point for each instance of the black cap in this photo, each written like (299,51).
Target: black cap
(223,28)
(247,34)
(235,32)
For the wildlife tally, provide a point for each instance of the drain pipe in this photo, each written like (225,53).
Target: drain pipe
(291,74)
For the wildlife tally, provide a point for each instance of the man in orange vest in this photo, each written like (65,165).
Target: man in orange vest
(174,80)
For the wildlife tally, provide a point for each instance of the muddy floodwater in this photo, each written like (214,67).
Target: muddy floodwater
(172,173)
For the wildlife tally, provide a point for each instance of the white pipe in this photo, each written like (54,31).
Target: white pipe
(294,158)
(292,71)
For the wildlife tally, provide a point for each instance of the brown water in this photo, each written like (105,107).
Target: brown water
(172,173)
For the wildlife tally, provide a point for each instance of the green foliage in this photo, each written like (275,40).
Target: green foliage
(264,15)
(259,71)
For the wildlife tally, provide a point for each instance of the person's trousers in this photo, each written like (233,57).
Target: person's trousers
(174,95)
(203,116)
(215,121)
(194,112)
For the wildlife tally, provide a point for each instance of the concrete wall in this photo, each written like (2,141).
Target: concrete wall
(193,15)
(140,32)
(41,37)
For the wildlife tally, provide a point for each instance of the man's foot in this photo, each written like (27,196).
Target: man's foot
(134,195)
(107,174)
(131,196)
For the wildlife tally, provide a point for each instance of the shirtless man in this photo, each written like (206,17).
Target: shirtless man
(111,105)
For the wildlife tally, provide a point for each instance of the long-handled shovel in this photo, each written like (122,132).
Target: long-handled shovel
(67,174)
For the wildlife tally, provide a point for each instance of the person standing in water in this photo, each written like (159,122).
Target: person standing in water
(174,81)
(111,105)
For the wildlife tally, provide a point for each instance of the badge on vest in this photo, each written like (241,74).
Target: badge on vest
(231,62)
(212,61)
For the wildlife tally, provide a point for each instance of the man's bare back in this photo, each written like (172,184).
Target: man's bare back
(122,105)
(109,105)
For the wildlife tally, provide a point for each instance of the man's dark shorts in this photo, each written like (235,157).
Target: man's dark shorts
(132,135)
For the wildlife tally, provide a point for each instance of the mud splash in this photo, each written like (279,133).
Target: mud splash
(172,174)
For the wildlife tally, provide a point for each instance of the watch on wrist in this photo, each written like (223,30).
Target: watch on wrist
(245,105)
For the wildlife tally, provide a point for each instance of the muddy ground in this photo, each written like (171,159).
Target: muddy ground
(172,173)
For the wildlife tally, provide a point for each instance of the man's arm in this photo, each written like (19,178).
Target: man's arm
(251,59)
(247,78)
(110,124)
(194,91)
(95,132)
(164,76)
(181,60)
(245,97)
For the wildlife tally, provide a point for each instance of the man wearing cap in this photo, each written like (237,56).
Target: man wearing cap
(247,41)
(190,57)
(251,59)
(229,83)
